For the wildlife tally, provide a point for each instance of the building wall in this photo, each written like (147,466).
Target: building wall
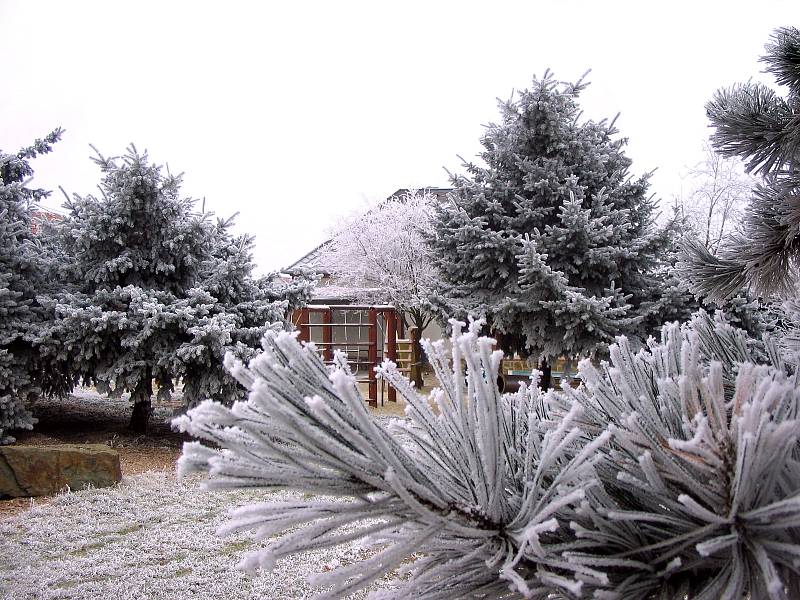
(39,217)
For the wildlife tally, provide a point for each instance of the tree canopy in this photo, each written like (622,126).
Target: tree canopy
(156,291)
(549,236)
(381,253)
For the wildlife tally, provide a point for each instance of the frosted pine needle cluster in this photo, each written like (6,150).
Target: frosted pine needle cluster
(668,474)
(701,482)
(474,486)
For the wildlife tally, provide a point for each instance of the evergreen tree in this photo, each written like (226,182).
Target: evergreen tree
(157,292)
(550,238)
(21,370)
(755,124)
(232,311)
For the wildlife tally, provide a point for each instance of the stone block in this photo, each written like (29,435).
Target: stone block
(45,470)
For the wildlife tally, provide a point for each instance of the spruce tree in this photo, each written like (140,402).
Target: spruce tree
(549,236)
(231,312)
(22,372)
(157,292)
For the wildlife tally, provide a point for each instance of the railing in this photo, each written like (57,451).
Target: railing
(302,319)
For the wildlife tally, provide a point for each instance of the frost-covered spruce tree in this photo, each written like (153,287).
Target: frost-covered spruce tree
(755,124)
(159,293)
(550,236)
(20,281)
(231,311)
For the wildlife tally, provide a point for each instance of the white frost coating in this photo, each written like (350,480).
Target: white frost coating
(665,471)
(705,446)
(380,255)
(439,486)
(151,538)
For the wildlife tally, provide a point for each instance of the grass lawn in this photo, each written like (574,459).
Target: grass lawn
(151,536)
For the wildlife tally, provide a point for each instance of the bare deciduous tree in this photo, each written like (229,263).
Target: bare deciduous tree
(719,189)
(380,252)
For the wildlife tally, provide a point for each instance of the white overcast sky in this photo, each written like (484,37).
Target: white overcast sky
(292,113)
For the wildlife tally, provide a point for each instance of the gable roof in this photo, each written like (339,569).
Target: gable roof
(313,260)
(310,260)
(40,216)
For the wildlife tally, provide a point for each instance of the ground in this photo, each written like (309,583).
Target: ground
(152,536)
(88,418)
(85,417)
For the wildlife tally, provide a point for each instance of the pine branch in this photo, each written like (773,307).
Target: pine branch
(671,472)
(438,484)
(753,123)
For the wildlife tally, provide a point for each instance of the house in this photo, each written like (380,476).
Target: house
(40,216)
(337,316)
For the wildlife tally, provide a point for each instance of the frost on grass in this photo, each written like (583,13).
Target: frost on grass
(673,472)
(150,537)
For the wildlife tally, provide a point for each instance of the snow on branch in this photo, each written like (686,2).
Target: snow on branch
(671,472)
(705,446)
(470,480)
(381,254)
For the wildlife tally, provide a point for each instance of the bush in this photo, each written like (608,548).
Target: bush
(668,473)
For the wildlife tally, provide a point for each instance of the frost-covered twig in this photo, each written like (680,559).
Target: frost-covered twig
(476,486)
(673,472)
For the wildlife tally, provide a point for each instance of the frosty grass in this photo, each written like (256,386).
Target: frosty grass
(152,536)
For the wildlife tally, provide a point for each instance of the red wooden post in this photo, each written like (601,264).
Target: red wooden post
(303,325)
(372,357)
(297,317)
(391,345)
(327,335)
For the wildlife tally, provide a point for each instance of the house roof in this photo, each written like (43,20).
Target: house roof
(313,259)
(40,215)
(310,260)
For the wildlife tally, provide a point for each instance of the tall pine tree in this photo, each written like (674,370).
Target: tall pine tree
(550,237)
(21,369)
(158,293)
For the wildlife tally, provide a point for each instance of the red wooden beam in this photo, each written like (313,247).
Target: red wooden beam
(303,325)
(327,337)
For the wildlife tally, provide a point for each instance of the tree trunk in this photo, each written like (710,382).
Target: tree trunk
(545,383)
(415,335)
(142,404)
